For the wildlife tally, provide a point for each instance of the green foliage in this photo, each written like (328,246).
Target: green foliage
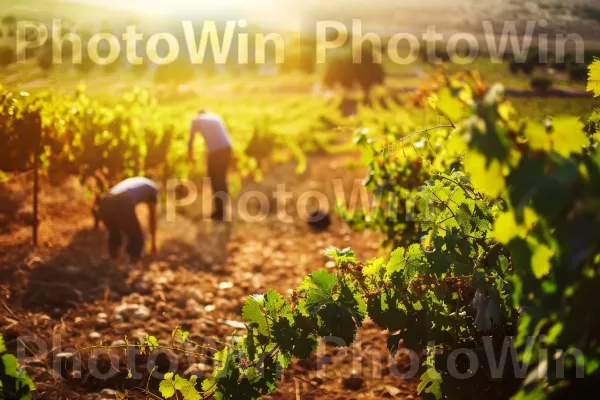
(169,386)
(174,73)
(494,221)
(594,78)
(107,142)
(342,69)
(14,383)
(7,56)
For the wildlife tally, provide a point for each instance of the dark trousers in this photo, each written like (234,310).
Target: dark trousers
(117,213)
(218,163)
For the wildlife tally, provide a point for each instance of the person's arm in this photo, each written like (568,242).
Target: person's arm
(152,224)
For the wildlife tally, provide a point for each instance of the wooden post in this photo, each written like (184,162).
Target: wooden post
(36,133)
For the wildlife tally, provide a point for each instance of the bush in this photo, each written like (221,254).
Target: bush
(341,69)
(44,60)
(300,59)
(578,72)
(177,73)
(541,83)
(514,67)
(7,56)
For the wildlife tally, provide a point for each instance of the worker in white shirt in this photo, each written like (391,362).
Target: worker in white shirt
(218,144)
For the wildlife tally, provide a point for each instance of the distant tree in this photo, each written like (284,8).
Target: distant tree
(341,69)
(7,56)
(10,25)
(45,58)
(301,58)
(177,72)
(86,65)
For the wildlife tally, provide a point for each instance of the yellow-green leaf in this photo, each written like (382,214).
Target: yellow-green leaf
(505,227)
(568,136)
(449,105)
(167,386)
(486,178)
(537,137)
(594,78)
(540,260)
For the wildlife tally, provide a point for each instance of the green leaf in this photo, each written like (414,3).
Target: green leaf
(180,334)
(351,298)
(187,388)
(449,105)
(250,344)
(276,306)
(321,285)
(431,382)
(331,252)
(568,136)
(2,345)
(503,264)
(594,78)
(11,365)
(540,260)
(299,339)
(167,386)
(505,227)
(486,175)
(151,342)
(253,313)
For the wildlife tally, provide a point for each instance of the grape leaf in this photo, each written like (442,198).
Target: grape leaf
(568,136)
(594,78)
(540,260)
(298,340)
(485,176)
(277,306)
(321,287)
(431,382)
(167,386)
(11,365)
(253,313)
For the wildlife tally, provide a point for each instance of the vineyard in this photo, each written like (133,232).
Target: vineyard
(474,261)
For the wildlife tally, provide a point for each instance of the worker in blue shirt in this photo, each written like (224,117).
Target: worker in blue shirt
(218,144)
(116,210)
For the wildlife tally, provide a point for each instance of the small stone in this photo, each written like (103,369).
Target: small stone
(330,264)
(354,383)
(197,369)
(132,312)
(394,391)
(234,324)
(75,374)
(108,394)
(225,285)
(193,309)
(64,355)
(210,308)
(71,269)
(94,336)
(139,334)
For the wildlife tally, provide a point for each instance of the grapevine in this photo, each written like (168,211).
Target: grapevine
(503,244)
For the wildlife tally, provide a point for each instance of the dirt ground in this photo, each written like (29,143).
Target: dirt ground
(67,293)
